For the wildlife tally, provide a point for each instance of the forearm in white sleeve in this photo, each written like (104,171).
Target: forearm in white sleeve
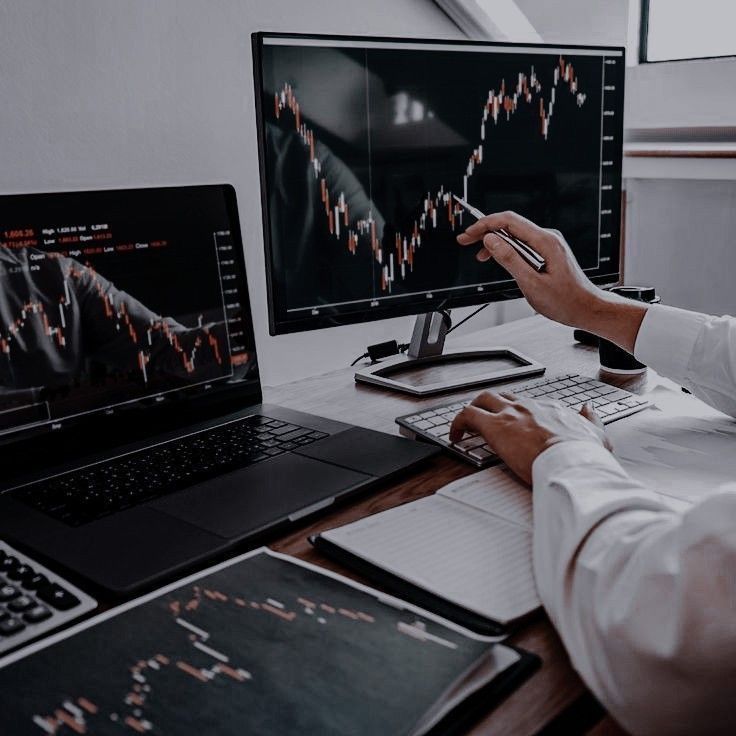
(644,598)
(695,350)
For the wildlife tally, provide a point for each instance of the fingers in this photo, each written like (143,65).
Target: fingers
(491,401)
(514,223)
(503,254)
(470,419)
(590,414)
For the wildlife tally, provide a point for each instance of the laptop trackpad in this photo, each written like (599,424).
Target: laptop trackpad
(246,500)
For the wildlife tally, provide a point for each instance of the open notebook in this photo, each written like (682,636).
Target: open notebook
(464,552)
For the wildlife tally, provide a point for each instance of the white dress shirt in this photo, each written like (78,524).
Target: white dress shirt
(644,598)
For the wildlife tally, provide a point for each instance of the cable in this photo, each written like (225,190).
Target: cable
(382,350)
(386,349)
(470,316)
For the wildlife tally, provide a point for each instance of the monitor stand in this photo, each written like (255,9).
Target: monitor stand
(429,369)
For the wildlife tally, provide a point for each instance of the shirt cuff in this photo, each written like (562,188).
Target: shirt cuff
(571,453)
(667,338)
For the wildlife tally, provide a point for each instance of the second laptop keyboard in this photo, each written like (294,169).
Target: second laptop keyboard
(87,494)
(609,402)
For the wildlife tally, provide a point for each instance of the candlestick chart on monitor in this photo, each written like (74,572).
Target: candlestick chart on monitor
(112,297)
(366,144)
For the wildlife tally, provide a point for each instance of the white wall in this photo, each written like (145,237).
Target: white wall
(681,227)
(107,93)
(589,22)
(681,237)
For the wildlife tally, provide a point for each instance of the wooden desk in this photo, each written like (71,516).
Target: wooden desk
(555,691)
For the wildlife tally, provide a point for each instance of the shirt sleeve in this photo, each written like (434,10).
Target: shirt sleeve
(695,350)
(643,597)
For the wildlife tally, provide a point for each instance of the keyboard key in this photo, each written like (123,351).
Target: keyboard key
(633,401)
(19,572)
(615,407)
(37,614)
(20,604)
(11,626)
(258,421)
(284,429)
(8,592)
(35,582)
(619,394)
(423,424)
(470,443)
(8,564)
(480,453)
(295,434)
(57,597)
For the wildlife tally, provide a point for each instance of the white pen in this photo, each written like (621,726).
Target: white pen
(525,251)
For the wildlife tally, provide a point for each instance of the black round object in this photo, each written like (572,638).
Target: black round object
(613,358)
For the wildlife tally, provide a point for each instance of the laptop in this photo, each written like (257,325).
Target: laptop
(133,436)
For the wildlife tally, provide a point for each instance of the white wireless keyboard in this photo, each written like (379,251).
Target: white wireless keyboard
(34,600)
(611,403)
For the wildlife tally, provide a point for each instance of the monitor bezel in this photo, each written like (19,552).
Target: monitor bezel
(145,417)
(502,292)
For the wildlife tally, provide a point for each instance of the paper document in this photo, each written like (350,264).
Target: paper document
(496,491)
(470,544)
(680,448)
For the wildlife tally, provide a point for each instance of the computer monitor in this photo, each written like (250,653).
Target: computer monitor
(364,142)
(119,306)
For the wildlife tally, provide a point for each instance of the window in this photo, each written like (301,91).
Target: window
(687,29)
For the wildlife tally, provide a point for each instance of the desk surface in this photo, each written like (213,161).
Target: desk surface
(555,691)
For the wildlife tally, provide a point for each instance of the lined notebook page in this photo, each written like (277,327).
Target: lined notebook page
(471,558)
(495,491)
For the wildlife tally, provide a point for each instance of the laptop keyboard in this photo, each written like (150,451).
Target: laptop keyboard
(33,600)
(88,494)
(610,403)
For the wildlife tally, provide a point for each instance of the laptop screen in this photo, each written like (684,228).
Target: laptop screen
(119,299)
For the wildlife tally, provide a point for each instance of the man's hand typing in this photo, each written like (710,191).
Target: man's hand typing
(519,430)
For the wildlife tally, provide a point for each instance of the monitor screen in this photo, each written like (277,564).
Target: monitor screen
(115,299)
(365,141)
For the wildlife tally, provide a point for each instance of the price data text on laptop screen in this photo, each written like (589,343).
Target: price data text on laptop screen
(364,142)
(116,298)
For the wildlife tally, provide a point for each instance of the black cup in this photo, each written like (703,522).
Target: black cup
(613,358)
